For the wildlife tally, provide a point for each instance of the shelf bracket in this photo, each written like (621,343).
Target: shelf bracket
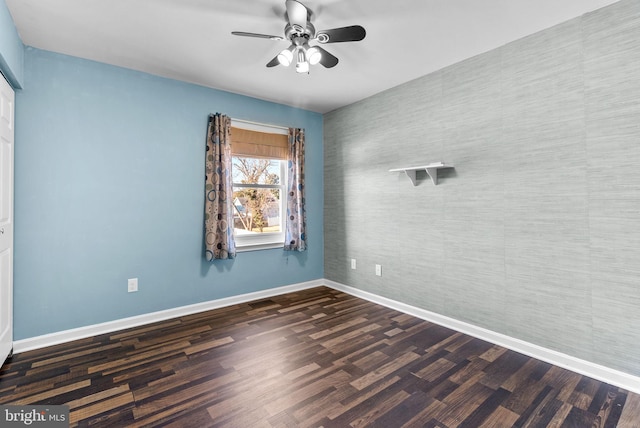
(433,174)
(411,173)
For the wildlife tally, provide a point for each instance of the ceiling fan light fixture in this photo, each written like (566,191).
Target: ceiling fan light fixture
(313,55)
(299,31)
(302,66)
(286,57)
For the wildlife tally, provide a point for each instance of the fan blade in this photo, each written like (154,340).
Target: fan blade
(261,36)
(297,14)
(273,62)
(327,59)
(353,33)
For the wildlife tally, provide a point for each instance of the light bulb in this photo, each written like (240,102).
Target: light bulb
(302,67)
(285,57)
(314,55)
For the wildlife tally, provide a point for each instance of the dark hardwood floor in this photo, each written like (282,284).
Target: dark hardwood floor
(308,359)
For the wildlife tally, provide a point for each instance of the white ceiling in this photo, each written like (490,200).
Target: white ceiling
(190,40)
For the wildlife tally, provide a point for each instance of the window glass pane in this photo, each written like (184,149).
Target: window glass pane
(256,171)
(256,211)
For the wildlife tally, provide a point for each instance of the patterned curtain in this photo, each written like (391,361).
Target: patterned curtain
(295,238)
(218,207)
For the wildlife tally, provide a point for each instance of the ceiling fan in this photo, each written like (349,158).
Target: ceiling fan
(299,31)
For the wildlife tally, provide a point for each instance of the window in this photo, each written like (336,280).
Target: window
(259,179)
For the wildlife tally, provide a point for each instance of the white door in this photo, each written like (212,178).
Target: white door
(6,219)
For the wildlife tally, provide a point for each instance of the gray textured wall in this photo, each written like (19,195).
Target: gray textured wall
(536,234)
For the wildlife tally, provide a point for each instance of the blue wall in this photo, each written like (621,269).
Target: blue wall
(109,182)
(11,48)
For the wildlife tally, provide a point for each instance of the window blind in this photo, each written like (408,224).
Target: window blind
(256,144)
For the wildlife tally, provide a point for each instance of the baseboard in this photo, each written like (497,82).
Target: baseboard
(124,323)
(583,367)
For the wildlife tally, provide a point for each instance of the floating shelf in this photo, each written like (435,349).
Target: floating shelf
(431,169)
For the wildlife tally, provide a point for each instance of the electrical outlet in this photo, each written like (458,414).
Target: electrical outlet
(353,263)
(132,285)
(378,270)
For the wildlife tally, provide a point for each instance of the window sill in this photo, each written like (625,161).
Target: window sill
(257,247)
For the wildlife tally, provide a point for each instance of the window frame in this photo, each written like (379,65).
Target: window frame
(265,240)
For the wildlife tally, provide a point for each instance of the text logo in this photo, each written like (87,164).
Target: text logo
(34,416)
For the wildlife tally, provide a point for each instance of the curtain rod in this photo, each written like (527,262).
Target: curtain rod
(267,125)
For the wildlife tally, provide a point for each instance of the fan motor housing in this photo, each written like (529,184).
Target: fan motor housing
(293,32)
